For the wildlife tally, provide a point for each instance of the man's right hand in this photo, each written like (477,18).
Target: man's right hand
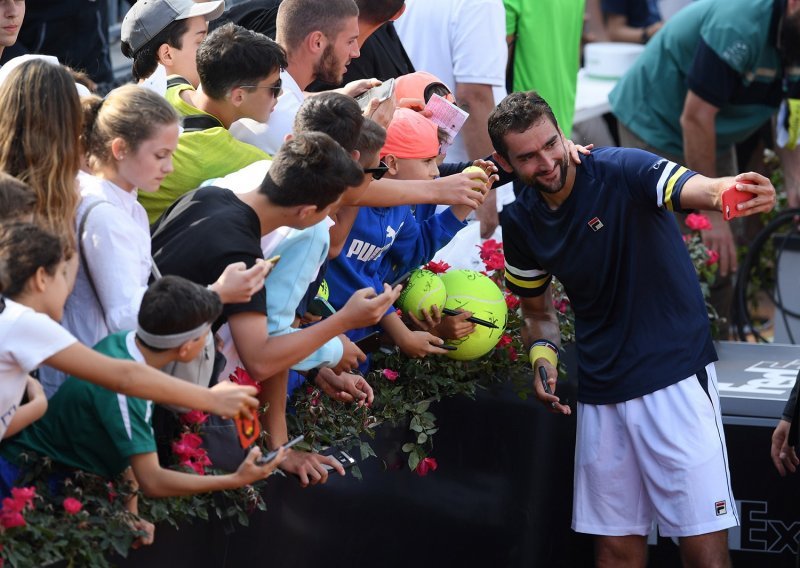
(365,308)
(550,400)
(309,467)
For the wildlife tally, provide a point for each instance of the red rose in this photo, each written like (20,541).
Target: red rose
(390,375)
(426,466)
(24,495)
(11,519)
(512,353)
(512,302)
(194,417)
(72,506)
(713,257)
(495,261)
(504,340)
(188,446)
(439,267)
(241,377)
(697,222)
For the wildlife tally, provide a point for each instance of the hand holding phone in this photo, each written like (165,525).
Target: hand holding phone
(382,92)
(732,197)
(545,384)
(264,460)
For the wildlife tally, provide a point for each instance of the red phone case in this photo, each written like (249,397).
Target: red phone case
(731,197)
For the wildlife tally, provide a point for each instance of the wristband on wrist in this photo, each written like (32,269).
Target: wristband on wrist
(544,349)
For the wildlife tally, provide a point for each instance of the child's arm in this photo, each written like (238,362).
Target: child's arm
(451,190)
(141,381)
(29,412)
(138,524)
(156,481)
(412,343)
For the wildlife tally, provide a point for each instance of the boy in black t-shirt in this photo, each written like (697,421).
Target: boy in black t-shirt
(212,227)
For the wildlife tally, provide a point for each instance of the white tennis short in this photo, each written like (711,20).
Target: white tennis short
(658,458)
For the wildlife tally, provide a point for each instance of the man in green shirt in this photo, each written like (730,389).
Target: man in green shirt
(239,78)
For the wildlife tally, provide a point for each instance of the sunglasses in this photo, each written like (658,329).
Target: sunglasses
(277,88)
(377,172)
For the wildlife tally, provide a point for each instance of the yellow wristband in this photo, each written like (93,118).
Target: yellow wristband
(546,350)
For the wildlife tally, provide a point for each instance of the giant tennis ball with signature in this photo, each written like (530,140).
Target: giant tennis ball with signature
(471,291)
(423,290)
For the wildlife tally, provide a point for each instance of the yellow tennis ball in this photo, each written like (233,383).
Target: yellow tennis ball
(470,169)
(323,290)
(471,291)
(423,290)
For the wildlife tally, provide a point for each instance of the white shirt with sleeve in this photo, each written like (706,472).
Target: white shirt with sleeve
(26,339)
(269,137)
(116,244)
(459,41)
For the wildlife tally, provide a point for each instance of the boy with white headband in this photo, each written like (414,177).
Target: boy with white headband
(93,429)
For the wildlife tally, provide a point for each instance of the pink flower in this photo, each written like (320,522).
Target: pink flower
(194,417)
(72,506)
(315,401)
(713,257)
(11,519)
(512,353)
(437,267)
(561,305)
(390,375)
(697,222)
(196,466)
(241,377)
(504,340)
(24,495)
(425,466)
(512,302)
(188,446)
(491,253)
(13,505)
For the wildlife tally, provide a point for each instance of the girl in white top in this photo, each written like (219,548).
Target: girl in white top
(34,283)
(129,138)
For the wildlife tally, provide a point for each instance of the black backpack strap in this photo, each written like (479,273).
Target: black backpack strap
(176,80)
(198,122)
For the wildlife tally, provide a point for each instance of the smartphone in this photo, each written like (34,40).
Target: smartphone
(342,457)
(545,384)
(370,343)
(320,307)
(382,92)
(731,197)
(264,460)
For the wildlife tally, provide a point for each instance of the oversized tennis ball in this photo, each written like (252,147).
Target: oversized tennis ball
(423,290)
(473,292)
(470,169)
(323,290)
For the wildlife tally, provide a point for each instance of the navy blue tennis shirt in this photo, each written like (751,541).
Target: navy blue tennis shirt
(640,317)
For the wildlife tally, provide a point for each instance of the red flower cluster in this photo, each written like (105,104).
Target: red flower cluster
(437,267)
(190,454)
(390,375)
(713,257)
(425,466)
(11,513)
(194,417)
(698,222)
(512,302)
(242,377)
(72,506)
(506,341)
(491,253)
(561,305)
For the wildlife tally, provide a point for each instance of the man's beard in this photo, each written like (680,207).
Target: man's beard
(328,67)
(553,187)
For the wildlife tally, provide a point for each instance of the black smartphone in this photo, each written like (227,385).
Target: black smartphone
(320,307)
(264,460)
(545,384)
(370,343)
(342,457)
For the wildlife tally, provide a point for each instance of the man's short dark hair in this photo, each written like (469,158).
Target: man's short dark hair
(232,55)
(298,18)
(173,304)
(16,198)
(145,60)
(335,114)
(310,169)
(378,12)
(517,113)
(371,139)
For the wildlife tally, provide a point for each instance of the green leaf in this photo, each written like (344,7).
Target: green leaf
(409,447)
(413,460)
(422,438)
